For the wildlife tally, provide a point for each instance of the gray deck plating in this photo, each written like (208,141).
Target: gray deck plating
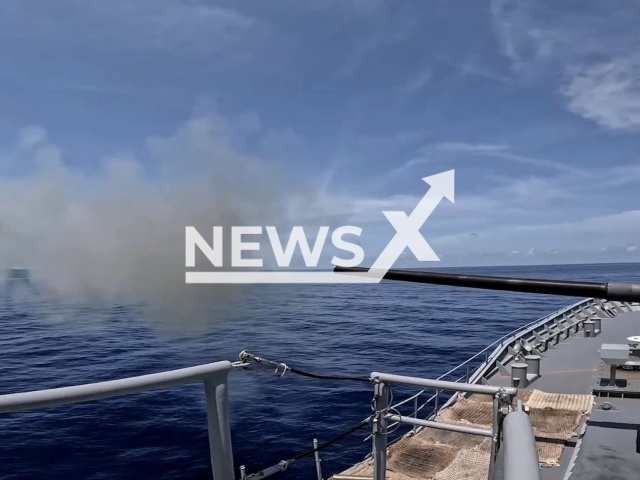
(609,448)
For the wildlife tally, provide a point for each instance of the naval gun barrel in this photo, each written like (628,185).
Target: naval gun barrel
(622,292)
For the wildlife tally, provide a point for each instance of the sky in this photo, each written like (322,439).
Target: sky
(147,114)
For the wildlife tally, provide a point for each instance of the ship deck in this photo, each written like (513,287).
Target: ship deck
(604,440)
(609,447)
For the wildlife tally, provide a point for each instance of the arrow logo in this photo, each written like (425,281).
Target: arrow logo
(407,235)
(408,227)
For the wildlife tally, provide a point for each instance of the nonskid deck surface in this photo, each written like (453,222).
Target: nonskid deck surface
(575,437)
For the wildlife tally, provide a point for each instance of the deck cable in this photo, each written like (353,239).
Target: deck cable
(282,368)
(284,464)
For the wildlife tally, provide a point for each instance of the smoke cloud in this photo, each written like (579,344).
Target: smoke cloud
(117,234)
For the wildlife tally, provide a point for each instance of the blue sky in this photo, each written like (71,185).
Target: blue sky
(335,108)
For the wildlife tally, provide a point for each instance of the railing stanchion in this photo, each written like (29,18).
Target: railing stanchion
(435,410)
(317,456)
(495,433)
(217,395)
(381,406)
(415,409)
(467,381)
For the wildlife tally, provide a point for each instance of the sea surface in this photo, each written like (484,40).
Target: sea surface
(329,329)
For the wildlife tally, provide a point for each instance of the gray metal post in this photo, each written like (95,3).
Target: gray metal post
(598,322)
(494,434)
(380,405)
(415,410)
(612,375)
(589,328)
(533,365)
(519,374)
(217,395)
(317,456)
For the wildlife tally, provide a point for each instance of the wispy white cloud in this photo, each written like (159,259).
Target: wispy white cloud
(536,190)
(407,166)
(31,136)
(500,151)
(366,46)
(475,68)
(388,24)
(417,83)
(561,216)
(591,54)
(597,185)
(123,25)
(583,237)
(469,151)
(608,93)
(480,148)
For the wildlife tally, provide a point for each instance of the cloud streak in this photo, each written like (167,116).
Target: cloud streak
(161,25)
(591,54)
(417,83)
(607,93)
(464,150)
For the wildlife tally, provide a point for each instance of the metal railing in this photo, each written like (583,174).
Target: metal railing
(470,373)
(502,396)
(214,377)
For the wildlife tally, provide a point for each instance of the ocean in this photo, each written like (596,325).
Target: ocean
(352,330)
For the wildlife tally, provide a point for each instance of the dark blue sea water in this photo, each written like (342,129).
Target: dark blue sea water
(351,330)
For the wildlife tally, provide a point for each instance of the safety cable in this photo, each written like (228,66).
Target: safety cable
(284,464)
(346,433)
(282,368)
(329,377)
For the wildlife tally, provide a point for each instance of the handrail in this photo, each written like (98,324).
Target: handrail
(519,332)
(16,402)
(213,375)
(521,329)
(502,396)
(442,384)
(483,432)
